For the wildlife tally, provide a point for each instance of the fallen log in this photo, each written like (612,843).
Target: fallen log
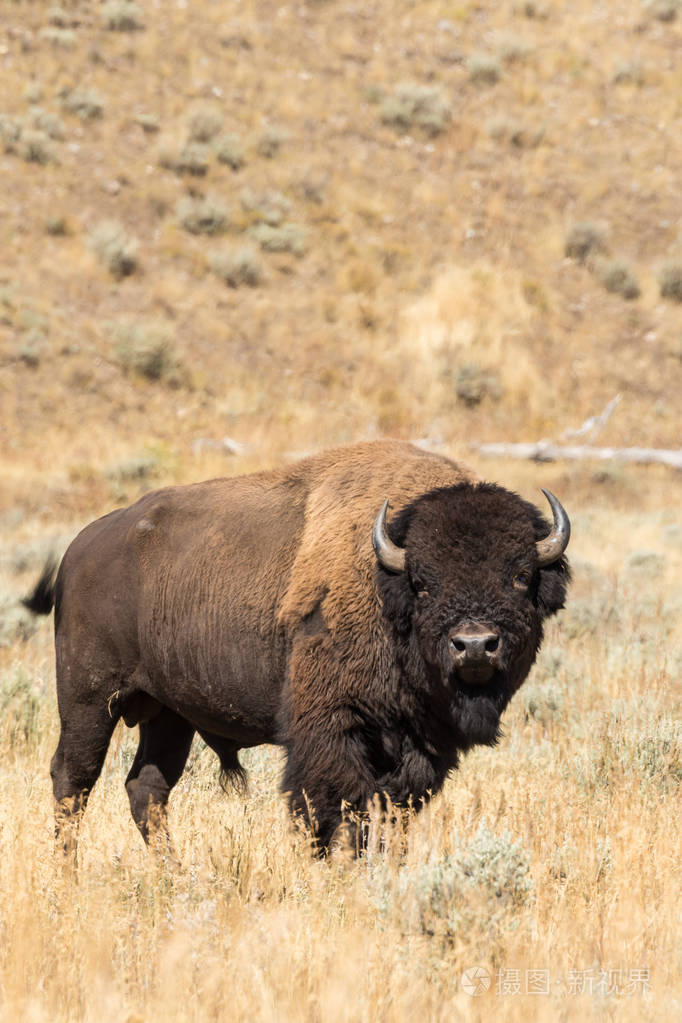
(546,451)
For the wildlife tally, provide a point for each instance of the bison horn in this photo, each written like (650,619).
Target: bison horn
(388,554)
(553,546)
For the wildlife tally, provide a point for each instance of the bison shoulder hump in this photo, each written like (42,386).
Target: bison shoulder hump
(146,525)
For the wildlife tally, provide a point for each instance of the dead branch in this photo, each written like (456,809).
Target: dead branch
(546,451)
(594,425)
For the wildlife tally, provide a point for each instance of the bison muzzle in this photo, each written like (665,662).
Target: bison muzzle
(284,607)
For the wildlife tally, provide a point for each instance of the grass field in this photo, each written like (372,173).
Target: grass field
(233,232)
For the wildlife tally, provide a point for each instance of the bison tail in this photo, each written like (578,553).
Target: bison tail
(233,777)
(41,601)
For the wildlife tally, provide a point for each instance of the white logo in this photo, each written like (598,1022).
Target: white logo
(476,981)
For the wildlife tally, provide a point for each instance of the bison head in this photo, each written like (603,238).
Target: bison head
(467,576)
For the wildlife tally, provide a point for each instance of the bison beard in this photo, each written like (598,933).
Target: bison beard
(254,610)
(477,717)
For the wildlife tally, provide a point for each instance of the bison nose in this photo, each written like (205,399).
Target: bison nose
(475,647)
(474,652)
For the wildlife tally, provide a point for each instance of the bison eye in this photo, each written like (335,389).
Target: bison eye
(522,581)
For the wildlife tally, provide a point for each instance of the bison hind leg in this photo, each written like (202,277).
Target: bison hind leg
(165,742)
(85,734)
(233,776)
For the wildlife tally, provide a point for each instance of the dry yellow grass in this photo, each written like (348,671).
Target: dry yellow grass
(426,255)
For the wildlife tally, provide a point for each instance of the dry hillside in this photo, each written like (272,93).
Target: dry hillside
(235,231)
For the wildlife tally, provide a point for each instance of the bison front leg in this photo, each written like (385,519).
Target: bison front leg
(329,785)
(334,779)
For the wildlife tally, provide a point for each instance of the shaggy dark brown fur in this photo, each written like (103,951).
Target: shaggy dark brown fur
(253,610)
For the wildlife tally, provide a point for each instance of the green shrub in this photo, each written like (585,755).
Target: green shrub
(204,124)
(269,207)
(237,266)
(628,72)
(508,129)
(412,105)
(137,468)
(31,555)
(544,702)
(531,9)
(192,158)
(146,348)
(31,141)
(589,615)
(10,133)
(22,699)
(86,104)
(35,147)
(229,150)
(583,239)
(271,141)
(627,747)
(120,16)
(60,38)
(657,753)
(664,10)
(33,93)
(58,16)
(484,69)
(484,884)
(286,237)
(645,562)
(32,347)
(617,276)
(202,216)
(57,225)
(47,122)
(149,123)
(473,384)
(16,623)
(511,47)
(30,319)
(115,248)
(670,280)
(498,864)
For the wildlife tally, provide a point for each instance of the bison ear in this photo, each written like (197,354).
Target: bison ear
(554,580)
(397,600)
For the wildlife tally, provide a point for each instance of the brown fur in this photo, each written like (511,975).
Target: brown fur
(252,610)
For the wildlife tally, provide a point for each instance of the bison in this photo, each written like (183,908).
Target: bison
(284,607)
